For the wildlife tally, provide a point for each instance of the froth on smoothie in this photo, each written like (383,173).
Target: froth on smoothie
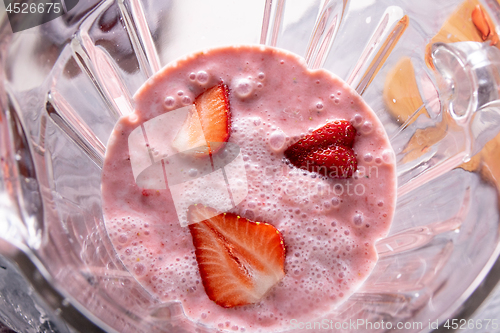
(329,226)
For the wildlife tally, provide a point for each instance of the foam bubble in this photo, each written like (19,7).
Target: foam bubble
(388,156)
(249,214)
(139,269)
(277,140)
(202,77)
(169,101)
(357,219)
(368,157)
(357,119)
(243,88)
(367,127)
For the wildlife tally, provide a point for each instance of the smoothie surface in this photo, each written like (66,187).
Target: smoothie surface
(329,226)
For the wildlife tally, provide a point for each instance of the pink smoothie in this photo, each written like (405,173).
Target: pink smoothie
(329,225)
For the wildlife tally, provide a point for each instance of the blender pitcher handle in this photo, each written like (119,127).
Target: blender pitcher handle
(468,81)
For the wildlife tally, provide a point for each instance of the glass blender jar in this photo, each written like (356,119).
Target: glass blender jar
(66,82)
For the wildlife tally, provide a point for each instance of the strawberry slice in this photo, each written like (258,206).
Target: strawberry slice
(327,150)
(207,124)
(239,260)
(333,162)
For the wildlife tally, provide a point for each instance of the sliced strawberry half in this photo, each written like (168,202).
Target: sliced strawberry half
(207,122)
(239,260)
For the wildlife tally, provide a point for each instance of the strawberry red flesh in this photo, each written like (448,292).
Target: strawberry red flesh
(333,162)
(213,110)
(338,132)
(319,149)
(239,260)
(207,124)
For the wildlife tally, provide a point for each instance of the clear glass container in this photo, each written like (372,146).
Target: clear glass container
(66,82)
